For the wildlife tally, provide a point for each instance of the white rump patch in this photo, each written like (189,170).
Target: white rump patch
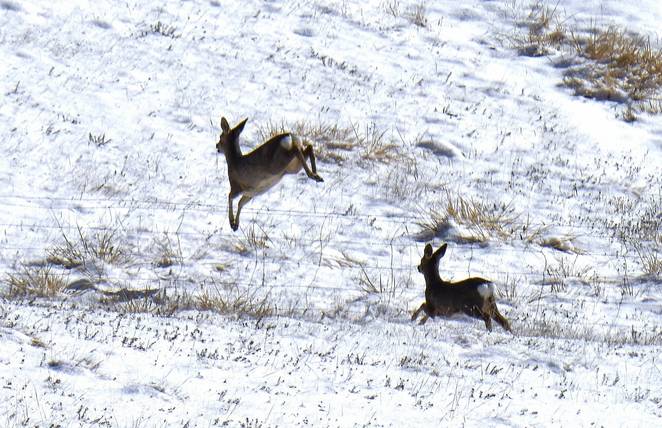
(486,290)
(286,142)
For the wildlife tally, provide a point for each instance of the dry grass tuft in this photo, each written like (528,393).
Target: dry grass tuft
(417,15)
(101,245)
(230,301)
(235,302)
(649,258)
(373,144)
(542,31)
(35,281)
(563,244)
(168,253)
(479,222)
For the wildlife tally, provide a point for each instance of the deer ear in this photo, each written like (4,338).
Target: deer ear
(428,251)
(224,125)
(441,251)
(237,129)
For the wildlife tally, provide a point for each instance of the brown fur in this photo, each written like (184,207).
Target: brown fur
(443,298)
(256,172)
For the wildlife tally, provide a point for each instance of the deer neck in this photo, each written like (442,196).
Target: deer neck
(431,274)
(232,151)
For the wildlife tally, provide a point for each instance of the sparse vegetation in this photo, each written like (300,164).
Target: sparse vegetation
(163,29)
(607,63)
(98,140)
(417,15)
(554,329)
(637,224)
(563,270)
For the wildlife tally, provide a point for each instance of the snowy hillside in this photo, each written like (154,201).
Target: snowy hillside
(127,300)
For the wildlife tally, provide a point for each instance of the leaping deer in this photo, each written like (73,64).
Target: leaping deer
(472,296)
(256,172)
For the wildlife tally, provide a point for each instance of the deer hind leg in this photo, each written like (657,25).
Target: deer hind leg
(488,321)
(503,321)
(310,154)
(307,152)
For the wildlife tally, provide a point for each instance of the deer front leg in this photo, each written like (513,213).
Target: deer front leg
(231,197)
(244,199)
(418,311)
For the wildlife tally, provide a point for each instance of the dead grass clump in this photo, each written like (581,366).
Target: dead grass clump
(169,253)
(373,145)
(563,244)
(607,63)
(101,245)
(466,220)
(232,301)
(235,302)
(35,281)
(622,66)
(649,258)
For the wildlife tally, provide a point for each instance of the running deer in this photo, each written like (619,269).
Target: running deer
(472,296)
(258,171)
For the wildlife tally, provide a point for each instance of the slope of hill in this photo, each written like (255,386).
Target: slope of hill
(127,300)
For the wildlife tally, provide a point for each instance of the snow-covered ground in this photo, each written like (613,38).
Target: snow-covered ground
(109,116)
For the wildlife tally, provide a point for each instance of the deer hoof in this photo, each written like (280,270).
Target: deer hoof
(318,178)
(234,226)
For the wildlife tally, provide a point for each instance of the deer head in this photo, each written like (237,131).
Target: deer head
(229,137)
